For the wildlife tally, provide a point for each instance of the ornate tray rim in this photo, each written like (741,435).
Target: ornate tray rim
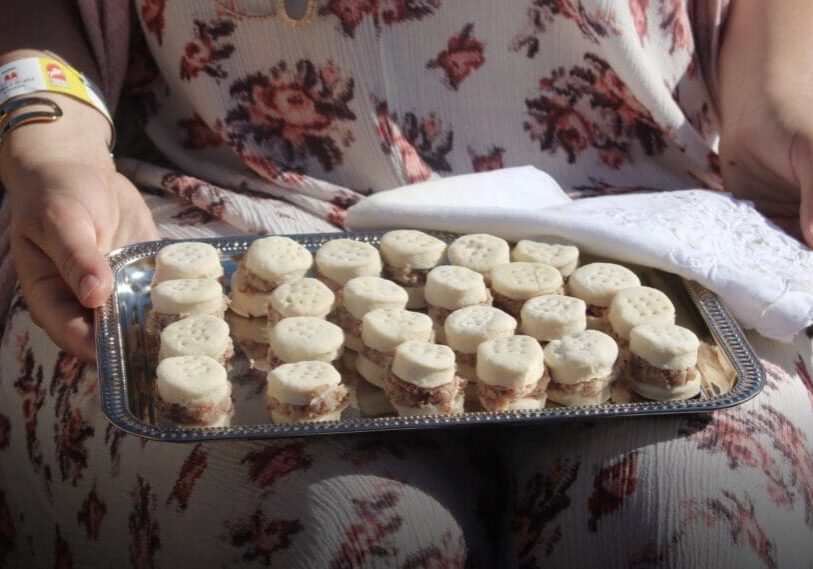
(112,370)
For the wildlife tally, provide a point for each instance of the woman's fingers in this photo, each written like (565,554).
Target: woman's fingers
(69,238)
(51,302)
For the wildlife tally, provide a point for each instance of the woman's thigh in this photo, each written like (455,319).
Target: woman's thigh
(75,489)
(728,489)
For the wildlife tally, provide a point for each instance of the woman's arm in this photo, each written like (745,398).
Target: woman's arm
(69,205)
(765,97)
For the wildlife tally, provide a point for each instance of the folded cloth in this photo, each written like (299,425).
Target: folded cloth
(764,276)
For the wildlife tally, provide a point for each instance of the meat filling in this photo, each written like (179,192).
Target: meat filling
(643,371)
(513,306)
(330,401)
(597,311)
(346,321)
(410,395)
(381,359)
(406,276)
(588,388)
(198,416)
(465,359)
(497,398)
(253,283)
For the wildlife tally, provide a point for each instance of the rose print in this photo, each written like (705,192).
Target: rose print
(542,13)
(144,532)
(351,13)
(198,135)
(152,12)
(70,434)
(463,54)
(449,553)
(293,114)
(268,465)
(91,514)
(491,160)
(262,537)
(638,9)
(205,52)
(63,557)
(370,535)
(31,389)
(675,22)
(191,470)
(611,486)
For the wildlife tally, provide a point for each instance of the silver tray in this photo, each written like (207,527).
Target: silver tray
(126,368)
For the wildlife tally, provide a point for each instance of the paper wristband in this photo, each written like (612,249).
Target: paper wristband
(38,74)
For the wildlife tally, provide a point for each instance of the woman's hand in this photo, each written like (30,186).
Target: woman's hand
(766,93)
(69,208)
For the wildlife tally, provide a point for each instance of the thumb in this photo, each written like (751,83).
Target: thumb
(71,243)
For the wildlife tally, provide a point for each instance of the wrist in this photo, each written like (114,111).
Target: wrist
(80,136)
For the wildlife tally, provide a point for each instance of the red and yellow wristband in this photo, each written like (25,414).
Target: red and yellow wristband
(23,78)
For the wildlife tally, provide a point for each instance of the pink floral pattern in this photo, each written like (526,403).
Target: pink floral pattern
(152,12)
(144,530)
(192,468)
(423,144)
(262,538)
(198,135)
(92,514)
(611,486)
(491,160)
(274,462)
(351,13)
(557,119)
(293,114)
(464,54)
(206,52)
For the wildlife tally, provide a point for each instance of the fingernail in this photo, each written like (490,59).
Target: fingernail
(87,286)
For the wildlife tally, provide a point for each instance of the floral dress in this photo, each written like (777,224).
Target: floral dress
(262,128)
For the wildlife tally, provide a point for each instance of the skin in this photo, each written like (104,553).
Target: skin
(70,206)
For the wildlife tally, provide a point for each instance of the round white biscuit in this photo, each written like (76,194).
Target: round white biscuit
(553,316)
(677,393)
(638,305)
(408,248)
(188,296)
(521,280)
(363,294)
(301,382)
(479,252)
(423,364)
(564,258)
(370,371)
(302,297)
(277,259)
(452,287)
(598,283)
(196,335)
(187,260)
(306,338)
(665,346)
(385,329)
(248,304)
(582,356)
(469,327)
(512,362)
(192,381)
(343,259)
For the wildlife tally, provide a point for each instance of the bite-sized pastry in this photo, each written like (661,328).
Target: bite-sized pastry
(582,368)
(359,296)
(304,338)
(340,260)
(408,257)
(251,336)
(663,362)
(267,263)
(306,391)
(382,331)
(479,252)
(638,305)
(597,284)
(422,380)
(177,299)
(246,301)
(197,335)
(514,283)
(303,297)
(469,327)
(187,260)
(511,374)
(564,258)
(449,288)
(552,317)
(193,391)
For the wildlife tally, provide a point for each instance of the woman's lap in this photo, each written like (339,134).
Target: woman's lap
(695,491)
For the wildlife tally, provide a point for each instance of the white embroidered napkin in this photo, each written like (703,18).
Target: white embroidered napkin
(764,276)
